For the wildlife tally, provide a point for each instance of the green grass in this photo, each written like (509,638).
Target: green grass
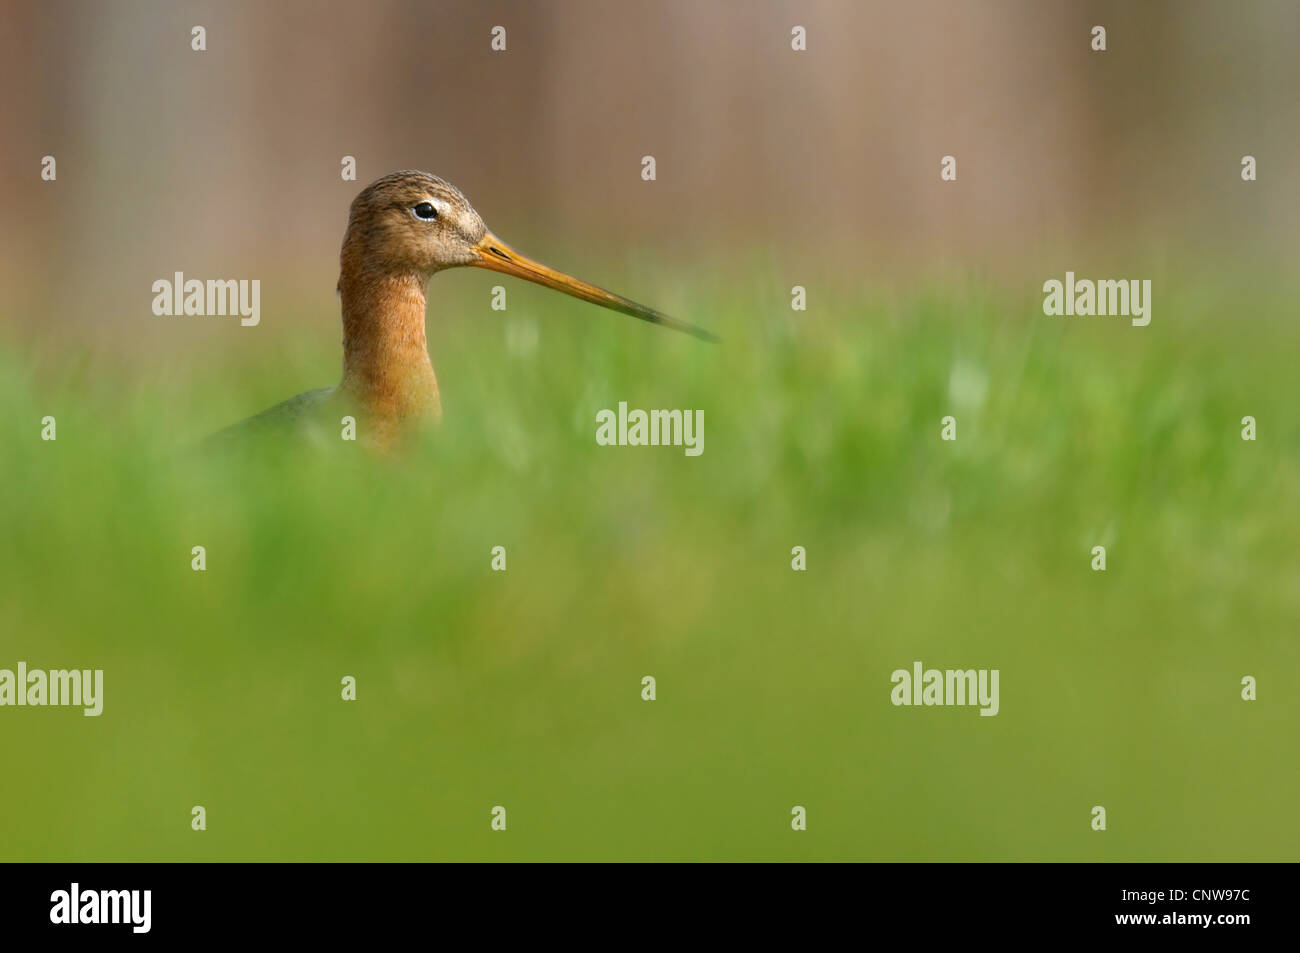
(523,688)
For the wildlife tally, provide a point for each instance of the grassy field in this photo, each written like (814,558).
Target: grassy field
(522,688)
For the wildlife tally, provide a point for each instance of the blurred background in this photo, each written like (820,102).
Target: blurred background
(228,161)
(774,168)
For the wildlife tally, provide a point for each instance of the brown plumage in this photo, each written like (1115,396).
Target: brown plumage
(402,229)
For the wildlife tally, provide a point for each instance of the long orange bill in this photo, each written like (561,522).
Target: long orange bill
(496,255)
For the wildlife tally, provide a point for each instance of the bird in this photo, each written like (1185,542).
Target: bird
(402,229)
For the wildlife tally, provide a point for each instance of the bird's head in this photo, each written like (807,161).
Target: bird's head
(416,223)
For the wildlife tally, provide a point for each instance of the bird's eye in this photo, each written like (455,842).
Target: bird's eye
(426,211)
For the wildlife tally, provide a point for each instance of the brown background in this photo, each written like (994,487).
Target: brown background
(226,163)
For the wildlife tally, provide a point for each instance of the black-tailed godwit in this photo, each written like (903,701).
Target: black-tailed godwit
(402,229)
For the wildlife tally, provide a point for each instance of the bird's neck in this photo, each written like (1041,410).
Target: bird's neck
(386,367)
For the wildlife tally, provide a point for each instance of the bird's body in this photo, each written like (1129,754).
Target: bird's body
(402,229)
(283,419)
